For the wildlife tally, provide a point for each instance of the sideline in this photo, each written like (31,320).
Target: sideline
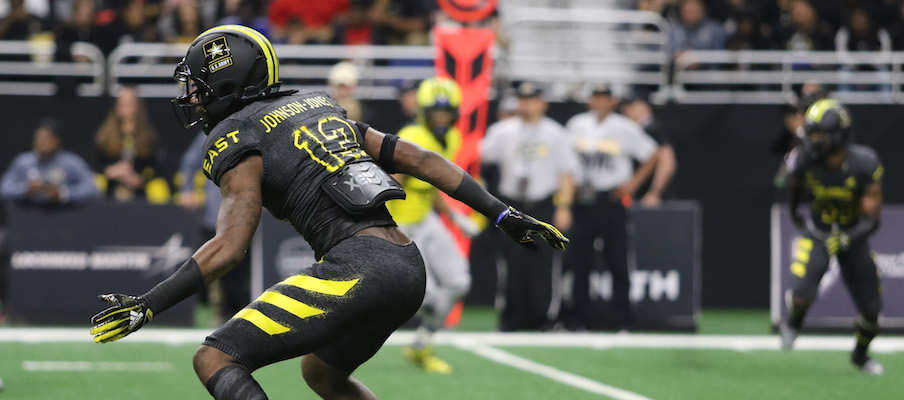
(93,366)
(882,344)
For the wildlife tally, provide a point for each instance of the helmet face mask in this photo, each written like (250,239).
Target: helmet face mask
(191,92)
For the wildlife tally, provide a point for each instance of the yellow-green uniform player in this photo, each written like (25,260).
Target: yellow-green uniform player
(843,184)
(448,278)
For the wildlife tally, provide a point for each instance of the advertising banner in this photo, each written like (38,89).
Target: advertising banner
(61,259)
(664,258)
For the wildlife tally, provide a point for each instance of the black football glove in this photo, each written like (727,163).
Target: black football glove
(128,314)
(523,228)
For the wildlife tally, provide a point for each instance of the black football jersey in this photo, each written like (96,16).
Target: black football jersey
(835,195)
(303,138)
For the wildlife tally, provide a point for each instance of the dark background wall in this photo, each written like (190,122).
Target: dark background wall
(724,152)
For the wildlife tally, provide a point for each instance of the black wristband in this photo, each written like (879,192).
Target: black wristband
(471,193)
(186,281)
(387,153)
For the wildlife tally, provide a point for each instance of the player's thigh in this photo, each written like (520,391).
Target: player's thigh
(810,261)
(446,265)
(361,282)
(861,277)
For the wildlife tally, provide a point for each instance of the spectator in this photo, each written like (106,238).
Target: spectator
(126,145)
(181,22)
(535,163)
(343,82)
(608,145)
(404,22)
(132,24)
(861,34)
(803,31)
(694,31)
(353,27)
(640,111)
(81,28)
(305,21)
(407,97)
(19,24)
(249,13)
(48,175)
(749,33)
(896,28)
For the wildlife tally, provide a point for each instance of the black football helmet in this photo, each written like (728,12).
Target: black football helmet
(827,116)
(225,68)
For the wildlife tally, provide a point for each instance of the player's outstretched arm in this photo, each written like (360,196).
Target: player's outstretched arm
(238,218)
(411,159)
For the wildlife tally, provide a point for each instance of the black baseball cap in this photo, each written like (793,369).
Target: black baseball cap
(528,89)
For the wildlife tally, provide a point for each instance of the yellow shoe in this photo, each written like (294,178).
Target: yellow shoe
(434,364)
(425,359)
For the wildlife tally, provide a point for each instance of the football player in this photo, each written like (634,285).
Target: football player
(297,155)
(448,278)
(844,183)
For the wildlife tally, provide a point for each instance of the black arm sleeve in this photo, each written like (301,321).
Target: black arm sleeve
(186,281)
(471,193)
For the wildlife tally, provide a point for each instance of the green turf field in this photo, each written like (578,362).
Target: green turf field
(622,366)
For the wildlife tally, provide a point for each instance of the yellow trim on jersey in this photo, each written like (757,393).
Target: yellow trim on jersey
(269,53)
(262,321)
(310,283)
(295,307)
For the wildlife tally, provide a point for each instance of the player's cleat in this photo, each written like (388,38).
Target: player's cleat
(867,365)
(425,359)
(788,335)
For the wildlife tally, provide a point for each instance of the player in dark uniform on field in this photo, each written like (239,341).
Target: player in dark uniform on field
(843,183)
(298,155)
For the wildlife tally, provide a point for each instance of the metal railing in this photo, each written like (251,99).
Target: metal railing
(773,76)
(633,53)
(29,68)
(567,48)
(305,67)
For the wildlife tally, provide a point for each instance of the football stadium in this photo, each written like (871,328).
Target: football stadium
(452,199)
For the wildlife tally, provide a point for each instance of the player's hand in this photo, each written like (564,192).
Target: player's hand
(523,228)
(837,241)
(128,314)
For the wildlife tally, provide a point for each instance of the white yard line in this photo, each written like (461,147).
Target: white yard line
(92,366)
(882,344)
(557,375)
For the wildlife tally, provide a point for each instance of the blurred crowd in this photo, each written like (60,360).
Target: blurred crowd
(109,23)
(824,25)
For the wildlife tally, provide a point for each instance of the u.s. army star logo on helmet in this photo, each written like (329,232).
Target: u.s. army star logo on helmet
(217,54)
